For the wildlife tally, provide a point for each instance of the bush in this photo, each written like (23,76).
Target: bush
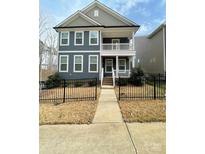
(78,84)
(92,83)
(137,76)
(53,81)
(123,81)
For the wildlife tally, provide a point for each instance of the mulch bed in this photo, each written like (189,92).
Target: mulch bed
(143,110)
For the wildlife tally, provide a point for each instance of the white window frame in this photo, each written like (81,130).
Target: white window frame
(90,37)
(63,63)
(92,63)
(75,63)
(82,32)
(67,38)
(106,65)
(122,71)
(96,13)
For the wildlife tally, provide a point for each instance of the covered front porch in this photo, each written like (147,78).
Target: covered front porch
(116,66)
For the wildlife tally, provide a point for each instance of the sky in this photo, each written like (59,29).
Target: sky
(149,14)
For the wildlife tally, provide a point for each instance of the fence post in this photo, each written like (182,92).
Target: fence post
(64,91)
(96,90)
(154,87)
(119,88)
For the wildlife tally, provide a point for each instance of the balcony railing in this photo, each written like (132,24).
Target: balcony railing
(117,46)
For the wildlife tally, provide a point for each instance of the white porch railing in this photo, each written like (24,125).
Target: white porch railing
(125,73)
(102,75)
(117,46)
(113,77)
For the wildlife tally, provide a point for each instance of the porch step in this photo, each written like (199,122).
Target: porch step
(107,87)
(107,81)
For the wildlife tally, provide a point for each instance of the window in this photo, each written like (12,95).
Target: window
(79,38)
(108,65)
(78,63)
(63,63)
(93,38)
(93,63)
(64,38)
(96,12)
(122,65)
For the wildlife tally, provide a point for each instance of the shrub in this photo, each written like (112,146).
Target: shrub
(53,81)
(78,84)
(123,81)
(92,83)
(137,76)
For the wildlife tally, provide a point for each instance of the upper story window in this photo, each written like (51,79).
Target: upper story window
(93,38)
(63,63)
(79,38)
(96,13)
(64,39)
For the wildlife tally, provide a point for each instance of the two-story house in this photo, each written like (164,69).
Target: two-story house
(96,42)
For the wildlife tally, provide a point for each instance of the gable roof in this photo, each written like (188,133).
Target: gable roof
(157,30)
(94,23)
(75,15)
(110,11)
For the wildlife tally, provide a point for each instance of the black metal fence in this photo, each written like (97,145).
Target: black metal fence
(144,87)
(62,90)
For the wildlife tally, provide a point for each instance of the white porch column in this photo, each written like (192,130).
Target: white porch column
(117,67)
(133,61)
(133,41)
(100,66)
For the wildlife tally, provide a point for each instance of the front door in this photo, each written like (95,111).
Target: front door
(108,65)
(115,44)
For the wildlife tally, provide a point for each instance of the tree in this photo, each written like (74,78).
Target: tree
(47,44)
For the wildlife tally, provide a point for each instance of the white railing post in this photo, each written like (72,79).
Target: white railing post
(102,74)
(113,77)
(117,67)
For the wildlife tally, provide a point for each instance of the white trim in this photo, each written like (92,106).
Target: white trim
(90,38)
(122,71)
(108,65)
(78,51)
(66,63)
(81,63)
(93,63)
(67,38)
(82,32)
(90,18)
(79,13)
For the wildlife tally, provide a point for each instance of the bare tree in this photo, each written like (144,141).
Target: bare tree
(47,44)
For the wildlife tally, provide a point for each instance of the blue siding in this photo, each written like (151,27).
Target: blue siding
(81,75)
(72,47)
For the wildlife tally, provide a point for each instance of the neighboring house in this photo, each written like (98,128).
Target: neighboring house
(96,42)
(47,61)
(151,51)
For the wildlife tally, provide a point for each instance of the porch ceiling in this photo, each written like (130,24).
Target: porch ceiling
(117,34)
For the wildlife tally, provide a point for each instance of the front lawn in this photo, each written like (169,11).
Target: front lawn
(80,112)
(143,110)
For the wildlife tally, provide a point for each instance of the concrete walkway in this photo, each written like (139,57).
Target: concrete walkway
(108,109)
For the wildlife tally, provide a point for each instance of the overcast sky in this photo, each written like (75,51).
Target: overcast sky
(147,13)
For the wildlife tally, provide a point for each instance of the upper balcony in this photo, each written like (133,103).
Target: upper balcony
(117,43)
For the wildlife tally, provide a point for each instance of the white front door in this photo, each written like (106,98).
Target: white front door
(108,65)
(115,44)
